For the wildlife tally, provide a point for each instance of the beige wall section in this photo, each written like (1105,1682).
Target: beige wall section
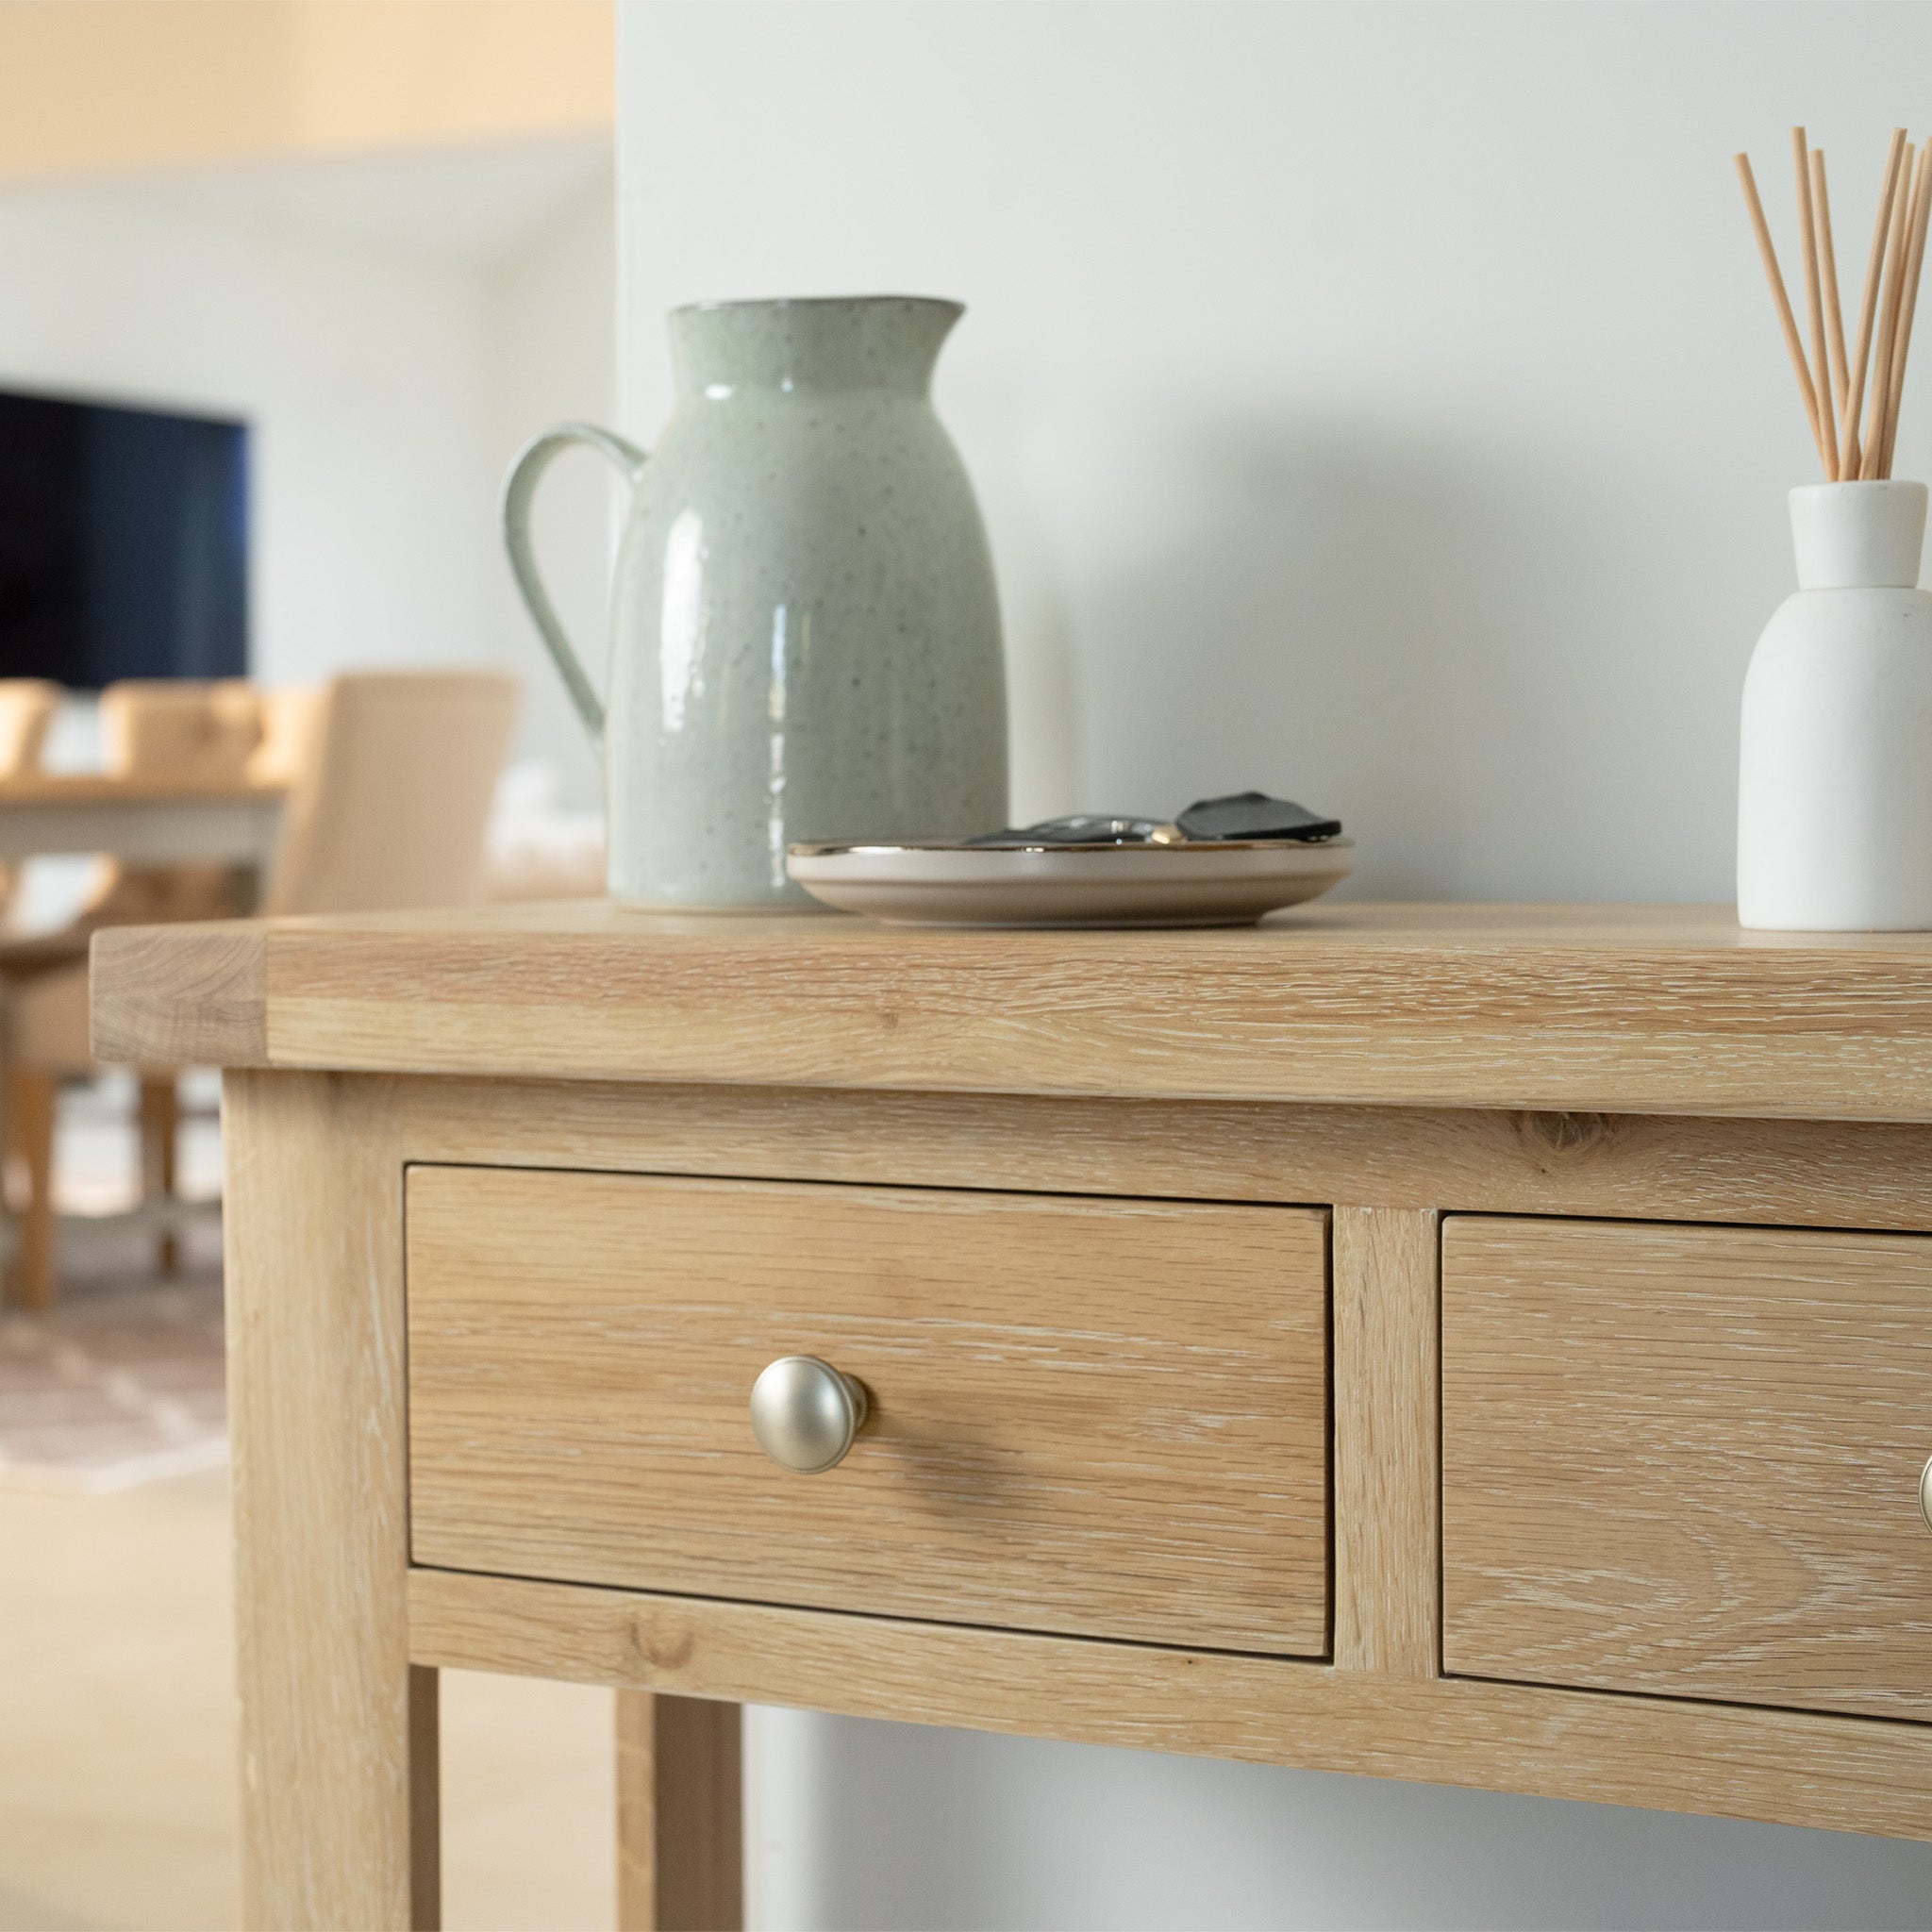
(96,85)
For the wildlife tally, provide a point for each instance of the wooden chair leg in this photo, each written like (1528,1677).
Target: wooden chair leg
(30,1109)
(160,1127)
(680,1859)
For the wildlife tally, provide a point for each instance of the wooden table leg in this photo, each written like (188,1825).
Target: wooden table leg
(338,1732)
(426,1799)
(680,1843)
(161,1129)
(31,1102)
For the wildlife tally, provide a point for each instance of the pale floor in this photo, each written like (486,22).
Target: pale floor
(117,1776)
(117,1737)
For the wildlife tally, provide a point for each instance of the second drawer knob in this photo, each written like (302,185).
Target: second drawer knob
(805,1413)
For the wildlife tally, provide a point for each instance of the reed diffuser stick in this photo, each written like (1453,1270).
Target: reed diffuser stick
(1867,308)
(1888,325)
(1827,267)
(1786,320)
(1915,261)
(1852,400)
(1822,415)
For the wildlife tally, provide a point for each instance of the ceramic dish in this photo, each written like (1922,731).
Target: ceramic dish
(1222,884)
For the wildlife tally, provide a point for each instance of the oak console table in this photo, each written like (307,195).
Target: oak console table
(1488,1345)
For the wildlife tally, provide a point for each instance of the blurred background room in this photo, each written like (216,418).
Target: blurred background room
(285,286)
(1368,401)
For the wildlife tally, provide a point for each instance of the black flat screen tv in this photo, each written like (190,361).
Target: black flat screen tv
(124,542)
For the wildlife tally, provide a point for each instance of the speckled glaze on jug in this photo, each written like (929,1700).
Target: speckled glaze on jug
(805,633)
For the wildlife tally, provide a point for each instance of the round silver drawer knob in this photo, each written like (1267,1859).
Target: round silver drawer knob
(1926,1492)
(805,1413)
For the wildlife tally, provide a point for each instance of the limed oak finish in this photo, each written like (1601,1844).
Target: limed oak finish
(1479,1344)
(1686,1460)
(1102,1417)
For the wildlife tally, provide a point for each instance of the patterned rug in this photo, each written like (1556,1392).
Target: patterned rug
(119,1384)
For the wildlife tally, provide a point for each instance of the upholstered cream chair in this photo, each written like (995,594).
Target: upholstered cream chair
(390,776)
(396,771)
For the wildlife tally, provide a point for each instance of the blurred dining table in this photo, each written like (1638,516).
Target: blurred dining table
(144,821)
(140,821)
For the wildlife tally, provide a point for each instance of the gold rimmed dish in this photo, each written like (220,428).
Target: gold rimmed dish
(1230,882)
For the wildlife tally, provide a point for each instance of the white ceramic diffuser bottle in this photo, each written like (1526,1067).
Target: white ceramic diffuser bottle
(1835,768)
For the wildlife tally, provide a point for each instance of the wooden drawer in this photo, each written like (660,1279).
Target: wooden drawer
(1686,1460)
(1101,1416)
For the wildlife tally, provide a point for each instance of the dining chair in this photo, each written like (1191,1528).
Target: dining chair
(26,712)
(396,773)
(190,730)
(390,779)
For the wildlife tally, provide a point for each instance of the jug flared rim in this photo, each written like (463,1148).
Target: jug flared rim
(958,308)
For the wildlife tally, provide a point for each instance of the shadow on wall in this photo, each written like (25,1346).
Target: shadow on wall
(1362,624)
(1246,1845)
(993,424)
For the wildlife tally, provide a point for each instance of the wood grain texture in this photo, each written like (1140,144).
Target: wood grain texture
(1686,1460)
(1846,1173)
(635,1731)
(180,995)
(1856,1774)
(337,1751)
(1386,1532)
(1620,1009)
(680,1843)
(1099,1416)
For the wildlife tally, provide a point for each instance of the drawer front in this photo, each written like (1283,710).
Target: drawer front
(1686,1460)
(1097,1416)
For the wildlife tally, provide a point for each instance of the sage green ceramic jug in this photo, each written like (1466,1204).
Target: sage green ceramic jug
(805,639)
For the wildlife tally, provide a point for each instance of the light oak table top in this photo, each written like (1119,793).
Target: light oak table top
(1627,1008)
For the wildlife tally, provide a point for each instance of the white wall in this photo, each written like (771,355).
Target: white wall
(1381,404)
(359,368)
(392,328)
(551,345)
(1378,403)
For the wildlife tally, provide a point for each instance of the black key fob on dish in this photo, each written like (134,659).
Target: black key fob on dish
(1254,815)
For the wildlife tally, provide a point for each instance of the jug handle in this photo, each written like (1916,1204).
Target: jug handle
(519,488)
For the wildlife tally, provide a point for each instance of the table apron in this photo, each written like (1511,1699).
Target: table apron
(143,832)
